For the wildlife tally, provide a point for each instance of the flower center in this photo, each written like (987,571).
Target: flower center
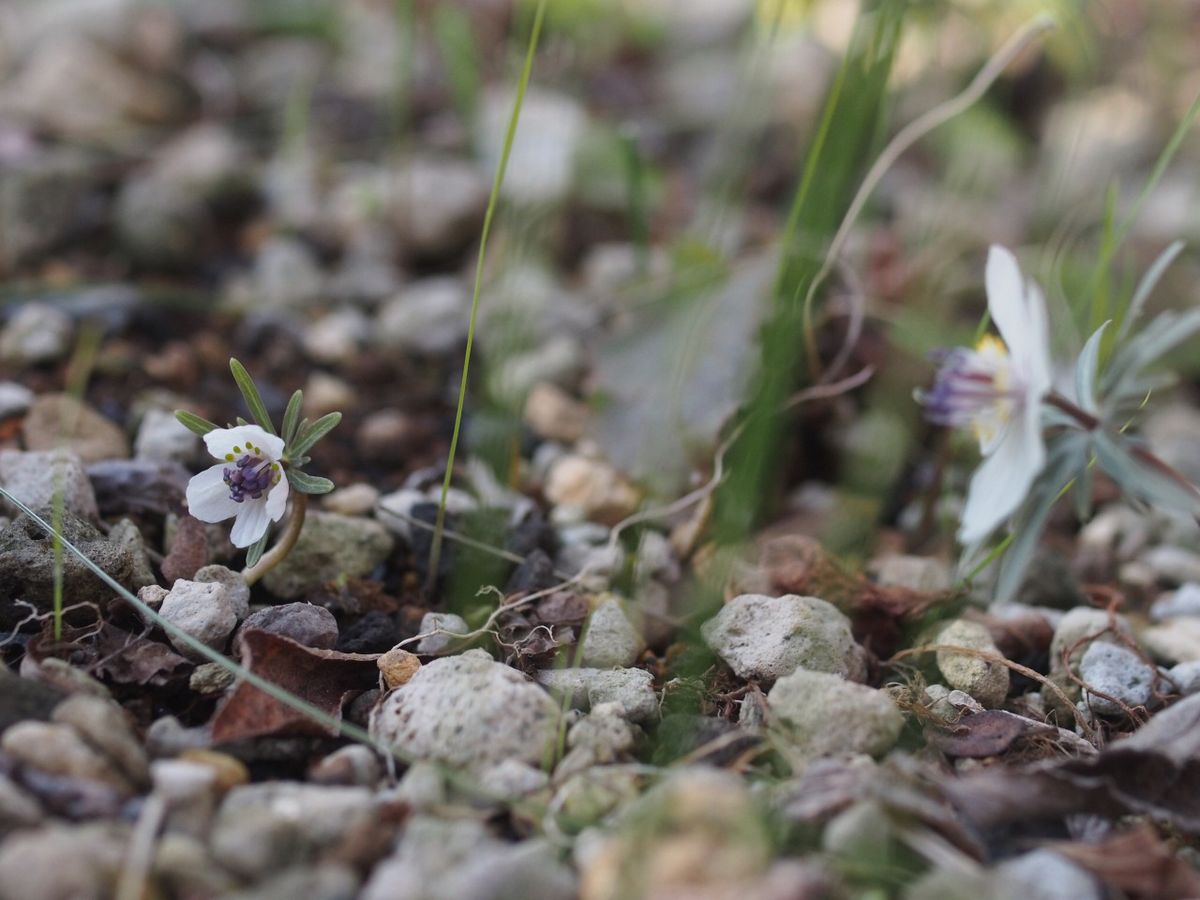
(975,389)
(250,476)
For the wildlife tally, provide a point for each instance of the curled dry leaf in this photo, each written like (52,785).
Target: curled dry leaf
(984,734)
(325,678)
(1138,863)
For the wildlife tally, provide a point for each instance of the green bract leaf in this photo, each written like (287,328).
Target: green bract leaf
(310,434)
(1085,371)
(254,400)
(1147,285)
(291,417)
(254,554)
(1144,476)
(309,484)
(193,422)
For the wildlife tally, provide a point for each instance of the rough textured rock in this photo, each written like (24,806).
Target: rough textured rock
(633,689)
(80,862)
(763,637)
(35,477)
(986,681)
(817,714)
(1174,641)
(162,437)
(468,711)
(428,316)
(107,728)
(330,545)
(58,749)
(61,420)
(1079,628)
(304,623)
(237,592)
(592,487)
(398,666)
(36,333)
(446,626)
(203,611)
(610,641)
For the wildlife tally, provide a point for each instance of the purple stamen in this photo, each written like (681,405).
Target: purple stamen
(250,477)
(965,387)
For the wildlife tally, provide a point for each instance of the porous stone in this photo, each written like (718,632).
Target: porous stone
(126,534)
(817,714)
(1174,641)
(398,666)
(304,623)
(61,420)
(1185,601)
(592,487)
(162,437)
(58,749)
(209,679)
(513,779)
(37,477)
(36,333)
(468,711)
(201,610)
(330,545)
(610,641)
(354,764)
(1117,673)
(237,591)
(1186,677)
(440,630)
(586,688)
(1079,628)
(107,728)
(917,573)
(80,862)
(763,637)
(15,399)
(983,679)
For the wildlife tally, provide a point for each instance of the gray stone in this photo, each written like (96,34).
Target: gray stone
(45,190)
(337,337)
(35,478)
(428,316)
(468,711)
(126,534)
(58,749)
(541,164)
(1173,565)
(107,728)
(1174,641)
(610,641)
(202,611)
(304,623)
(1184,601)
(36,333)
(63,421)
(352,500)
(237,592)
(322,881)
(984,680)
(763,637)
(330,545)
(162,437)
(1046,875)
(15,399)
(168,737)
(600,738)
(17,808)
(430,847)
(354,764)
(437,205)
(587,688)
(819,714)
(439,630)
(79,862)
(917,573)
(511,779)
(1079,628)
(210,679)
(1117,672)
(285,276)
(1186,677)
(531,869)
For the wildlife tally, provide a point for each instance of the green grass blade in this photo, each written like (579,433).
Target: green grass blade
(435,549)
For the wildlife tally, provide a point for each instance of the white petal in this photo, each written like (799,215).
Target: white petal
(277,499)
(1034,358)
(208,496)
(1006,299)
(1003,479)
(251,523)
(221,442)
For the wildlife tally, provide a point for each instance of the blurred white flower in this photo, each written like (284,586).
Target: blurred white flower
(996,390)
(248,484)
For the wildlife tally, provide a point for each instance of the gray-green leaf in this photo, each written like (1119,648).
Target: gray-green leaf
(309,484)
(309,435)
(254,554)
(291,417)
(254,400)
(194,423)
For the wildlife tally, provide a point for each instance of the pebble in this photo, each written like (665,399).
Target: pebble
(437,204)
(304,623)
(286,276)
(17,808)
(388,435)
(237,592)
(429,317)
(585,688)
(1174,641)
(1173,565)
(325,393)
(1184,601)
(202,611)
(1119,673)
(600,738)
(352,500)
(763,637)
(15,399)
(107,728)
(468,711)
(162,437)
(330,545)
(354,764)
(36,333)
(80,862)
(61,420)
(398,666)
(916,573)
(818,714)
(127,535)
(1046,875)
(1186,677)
(542,159)
(512,779)
(58,749)
(987,682)
(555,415)
(592,487)
(34,478)
(1078,628)
(447,625)
(338,337)
(610,641)
(210,679)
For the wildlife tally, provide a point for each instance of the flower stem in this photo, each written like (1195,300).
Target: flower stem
(284,545)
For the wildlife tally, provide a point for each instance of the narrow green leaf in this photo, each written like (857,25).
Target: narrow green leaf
(254,400)
(254,554)
(194,423)
(291,417)
(1144,477)
(309,484)
(1085,370)
(313,433)
(1147,285)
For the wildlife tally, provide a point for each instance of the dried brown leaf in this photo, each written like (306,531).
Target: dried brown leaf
(988,733)
(1137,862)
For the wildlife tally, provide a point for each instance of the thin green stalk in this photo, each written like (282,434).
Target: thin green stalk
(435,549)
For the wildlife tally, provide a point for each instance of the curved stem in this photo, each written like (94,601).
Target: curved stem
(284,545)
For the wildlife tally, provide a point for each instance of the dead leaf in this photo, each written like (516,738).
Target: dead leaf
(1137,862)
(126,658)
(189,550)
(980,735)
(326,679)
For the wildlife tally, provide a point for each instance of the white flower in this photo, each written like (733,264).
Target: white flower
(248,484)
(997,390)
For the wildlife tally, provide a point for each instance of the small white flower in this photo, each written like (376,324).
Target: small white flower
(996,390)
(248,484)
